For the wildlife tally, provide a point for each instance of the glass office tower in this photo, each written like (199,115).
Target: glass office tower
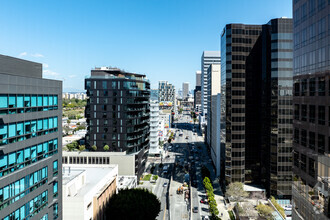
(118,113)
(311,109)
(30,136)
(256,111)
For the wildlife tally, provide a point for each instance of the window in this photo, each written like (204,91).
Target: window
(312,113)
(303,137)
(296,88)
(321,86)
(312,87)
(321,143)
(3,101)
(304,112)
(296,112)
(321,114)
(296,136)
(55,188)
(55,168)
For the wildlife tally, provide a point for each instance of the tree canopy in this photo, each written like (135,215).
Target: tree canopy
(133,204)
(236,191)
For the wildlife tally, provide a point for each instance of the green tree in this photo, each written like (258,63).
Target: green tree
(94,148)
(265,211)
(106,147)
(68,121)
(236,191)
(82,147)
(139,204)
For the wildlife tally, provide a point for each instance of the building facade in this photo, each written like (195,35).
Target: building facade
(30,136)
(154,128)
(166,95)
(256,89)
(118,113)
(311,103)
(198,78)
(208,58)
(87,191)
(213,88)
(197,99)
(185,90)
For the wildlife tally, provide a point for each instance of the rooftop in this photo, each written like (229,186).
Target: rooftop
(94,177)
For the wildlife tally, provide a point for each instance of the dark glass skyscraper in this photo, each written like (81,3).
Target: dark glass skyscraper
(30,142)
(311,109)
(256,93)
(118,113)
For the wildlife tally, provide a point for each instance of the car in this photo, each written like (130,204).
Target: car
(206,217)
(165,184)
(204,201)
(195,209)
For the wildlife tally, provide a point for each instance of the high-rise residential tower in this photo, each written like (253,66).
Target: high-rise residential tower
(167,96)
(30,142)
(118,113)
(311,123)
(208,58)
(256,89)
(154,128)
(185,90)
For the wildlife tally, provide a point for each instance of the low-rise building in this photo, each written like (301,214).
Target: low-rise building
(87,190)
(126,163)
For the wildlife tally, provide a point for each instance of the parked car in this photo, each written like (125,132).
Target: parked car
(165,184)
(195,210)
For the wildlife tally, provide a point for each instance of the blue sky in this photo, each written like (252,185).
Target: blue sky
(163,39)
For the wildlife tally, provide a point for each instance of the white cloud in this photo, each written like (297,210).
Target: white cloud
(72,76)
(37,55)
(45,65)
(22,54)
(50,73)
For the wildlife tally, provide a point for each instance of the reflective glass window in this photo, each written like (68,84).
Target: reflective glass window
(3,101)
(27,101)
(45,103)
(34,101)
(20,101)
(40,100)
(12,101)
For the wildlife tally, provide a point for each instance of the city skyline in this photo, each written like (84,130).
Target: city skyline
(71,39)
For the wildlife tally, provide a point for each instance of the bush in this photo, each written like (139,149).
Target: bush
(265,210)
(82,147)
(106,148)
(231,215)
(147,177)
(94,148)
(277,206)
(155,177)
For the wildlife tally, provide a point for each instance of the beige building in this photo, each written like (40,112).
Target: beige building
(87,190)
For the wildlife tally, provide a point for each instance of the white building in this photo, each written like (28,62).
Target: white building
(208,58)
(126,163)
(87,190)
(154,128)
(213,88)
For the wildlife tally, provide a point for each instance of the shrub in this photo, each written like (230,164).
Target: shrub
(277,206)
(94,148)
(106,148)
